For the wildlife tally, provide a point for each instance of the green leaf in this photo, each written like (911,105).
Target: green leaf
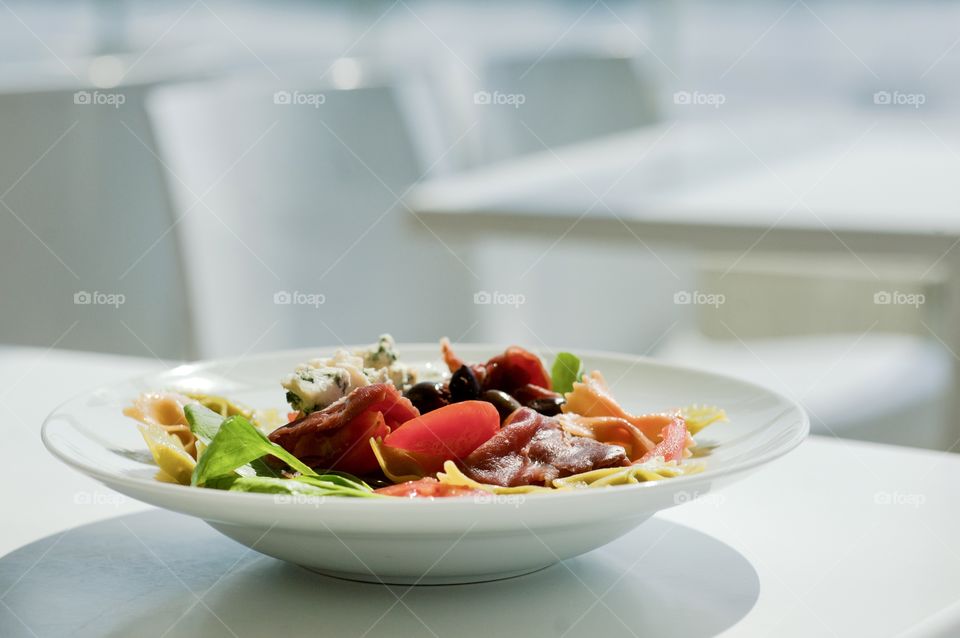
(222,482)
(344,479)
(337,483)
(268,485)
(567,369)
(204,422)
(236,444)
(301,486)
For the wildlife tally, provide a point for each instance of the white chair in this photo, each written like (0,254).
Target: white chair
(521,104)
(84,213)
(811,329)
(291,232)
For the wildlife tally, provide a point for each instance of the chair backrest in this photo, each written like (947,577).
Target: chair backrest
(291,230)
(523,104)
(88,260)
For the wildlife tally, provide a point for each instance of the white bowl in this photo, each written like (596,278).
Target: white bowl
(426,541)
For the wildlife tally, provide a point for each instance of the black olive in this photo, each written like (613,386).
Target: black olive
(463,385)
(427,396)
(547,407)
(503,402)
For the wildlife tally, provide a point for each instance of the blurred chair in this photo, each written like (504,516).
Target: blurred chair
(286,197)
(519,105)
(89,262)
(822,332)
(578,292)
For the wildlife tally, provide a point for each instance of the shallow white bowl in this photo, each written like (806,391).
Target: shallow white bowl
(424,541)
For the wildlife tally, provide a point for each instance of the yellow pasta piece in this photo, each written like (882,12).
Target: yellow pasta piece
(165,409)
(452,475)
(401,469)
(654,470)
(221,405)
(698,417)
(176,464)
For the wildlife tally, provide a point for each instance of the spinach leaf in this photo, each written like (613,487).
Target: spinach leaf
(337,485)
(204,422)
(301,486)
(566,370)
(236,444)
(267,485)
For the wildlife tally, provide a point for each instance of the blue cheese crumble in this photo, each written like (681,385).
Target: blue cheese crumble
(318,383)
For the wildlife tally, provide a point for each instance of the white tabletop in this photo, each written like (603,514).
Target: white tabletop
(838,538)
(867,172)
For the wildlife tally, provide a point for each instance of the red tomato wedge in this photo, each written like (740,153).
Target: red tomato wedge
(448,433)
(673,440)
(428,488)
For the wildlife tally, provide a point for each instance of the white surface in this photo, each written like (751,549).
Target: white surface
(830,557)
(452,540)
(863,173)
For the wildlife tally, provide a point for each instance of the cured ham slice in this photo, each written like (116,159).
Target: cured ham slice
(532,449)
(609,429)
(592,398)
(514,369)
(336,437)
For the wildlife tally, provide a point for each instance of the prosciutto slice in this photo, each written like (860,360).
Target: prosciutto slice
(337,437)
(532,449)
(514,370)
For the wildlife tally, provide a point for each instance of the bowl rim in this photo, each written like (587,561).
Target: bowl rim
(109,478)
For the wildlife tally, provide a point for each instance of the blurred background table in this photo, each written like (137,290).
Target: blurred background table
(837,538)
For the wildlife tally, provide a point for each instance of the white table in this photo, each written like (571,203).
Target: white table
(838,538)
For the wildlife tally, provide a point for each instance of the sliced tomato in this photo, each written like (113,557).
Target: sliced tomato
(673,440)
(449,433)
(515,368)
(428,488)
